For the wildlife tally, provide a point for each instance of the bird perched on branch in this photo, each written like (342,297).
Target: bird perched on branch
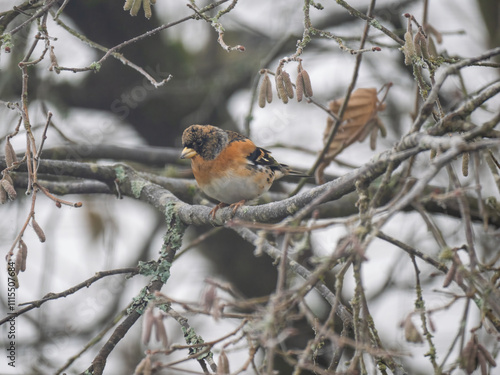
(229,167)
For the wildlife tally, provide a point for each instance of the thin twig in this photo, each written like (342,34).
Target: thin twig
(52,296)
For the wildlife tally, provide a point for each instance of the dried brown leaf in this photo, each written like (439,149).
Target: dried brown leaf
(360,118)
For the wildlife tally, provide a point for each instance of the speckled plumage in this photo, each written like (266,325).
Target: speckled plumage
(228,166)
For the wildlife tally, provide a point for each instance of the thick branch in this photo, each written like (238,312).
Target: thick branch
(150,155)
(132,184)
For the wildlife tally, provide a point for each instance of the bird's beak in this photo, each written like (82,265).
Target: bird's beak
(188,153)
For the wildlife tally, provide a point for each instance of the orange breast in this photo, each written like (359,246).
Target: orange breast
(229,178)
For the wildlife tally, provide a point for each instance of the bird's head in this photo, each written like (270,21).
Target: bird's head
(206,141)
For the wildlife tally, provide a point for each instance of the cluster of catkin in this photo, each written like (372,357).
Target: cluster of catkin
(476,355)
(8,192)
(135,5)
(284,86)
(154,321)
(420,45)
(22,249)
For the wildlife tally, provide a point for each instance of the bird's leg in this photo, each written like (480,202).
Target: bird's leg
(237,205)
(216,208)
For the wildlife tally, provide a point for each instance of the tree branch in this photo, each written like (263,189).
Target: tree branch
(84,284)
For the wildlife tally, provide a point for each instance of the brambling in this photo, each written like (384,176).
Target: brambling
(229,167)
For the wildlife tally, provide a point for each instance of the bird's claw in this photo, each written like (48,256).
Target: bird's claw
(237,205)
(216,208)
(234,206)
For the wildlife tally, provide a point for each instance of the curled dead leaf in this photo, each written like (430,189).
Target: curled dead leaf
(360,119)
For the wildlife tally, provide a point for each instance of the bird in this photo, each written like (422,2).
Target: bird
(229,167)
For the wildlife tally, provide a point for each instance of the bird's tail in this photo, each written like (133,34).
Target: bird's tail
(287,171)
